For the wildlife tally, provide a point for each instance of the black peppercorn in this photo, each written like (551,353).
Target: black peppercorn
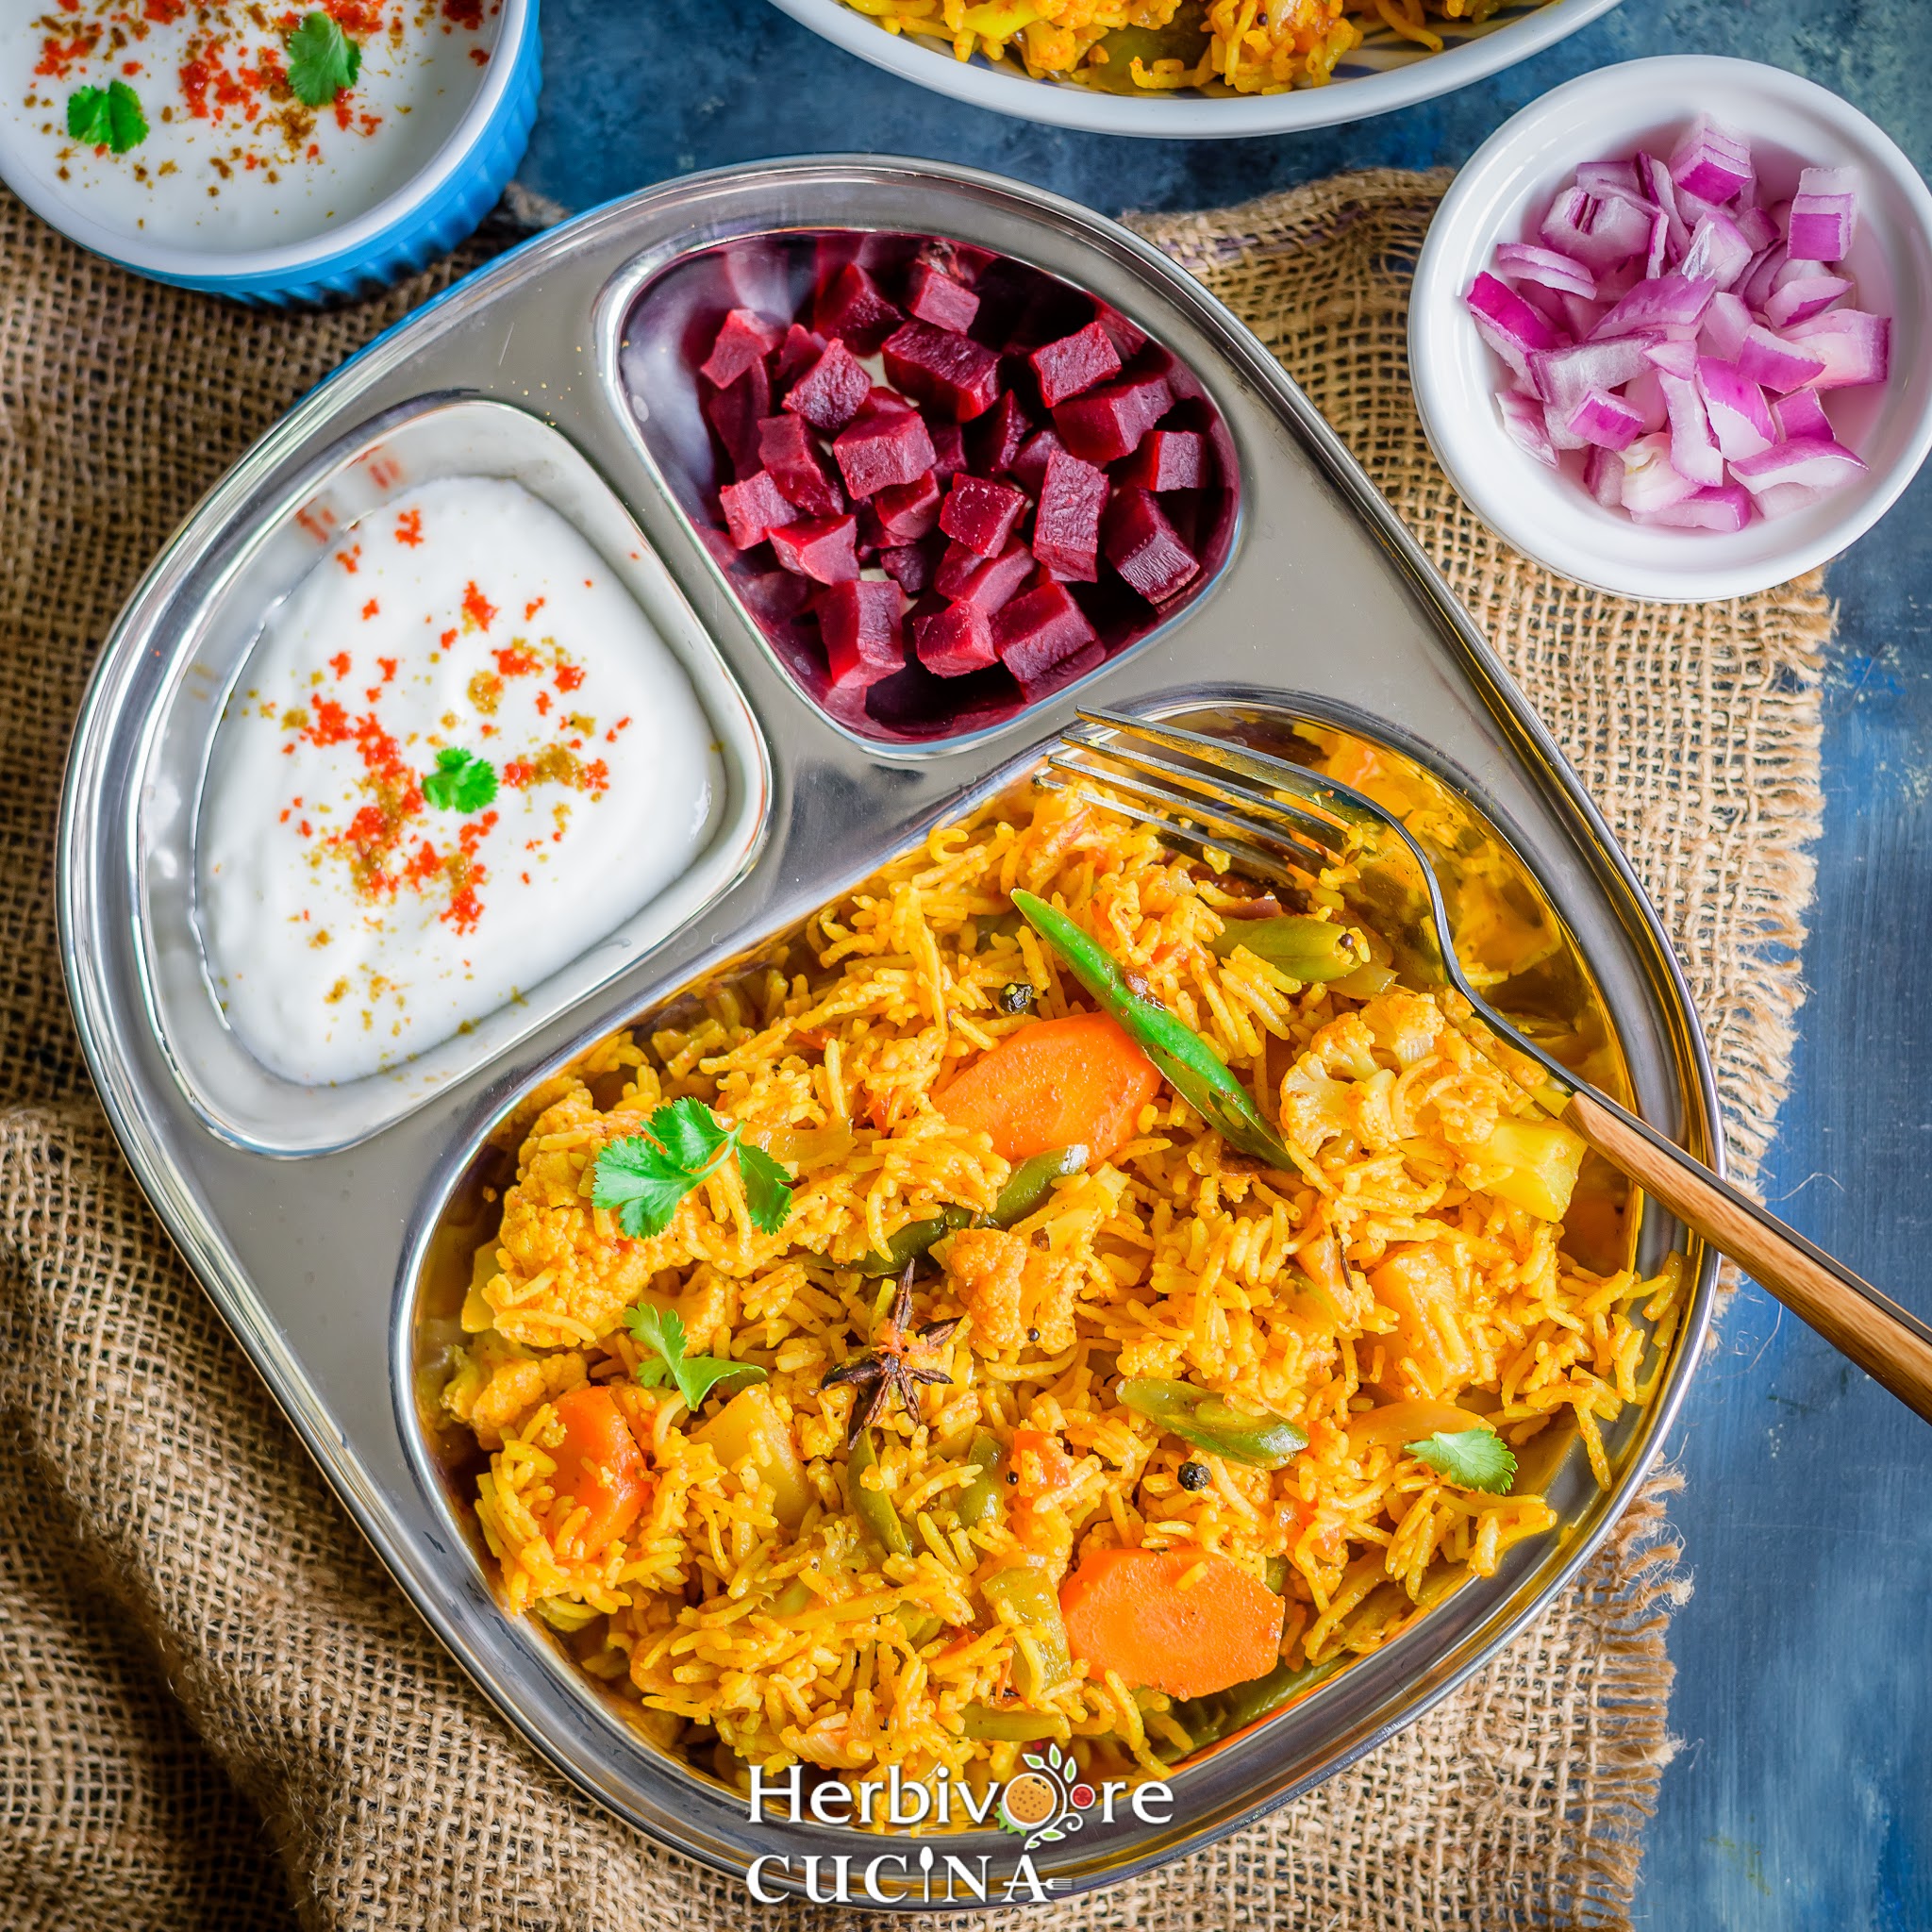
(1195,1476)
(1016,997)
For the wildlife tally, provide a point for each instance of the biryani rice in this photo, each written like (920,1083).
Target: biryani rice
(1394,1282)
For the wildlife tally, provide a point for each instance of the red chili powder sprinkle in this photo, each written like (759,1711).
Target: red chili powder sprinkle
(515,659)
(479,611)
(448,638)
(57,56)
(544,704)
(531,608)
(467,13)
(347,558)
(518,773)
(369,610)
(569,677)
(410,528)
(340,663)
(390,665)
(163,12)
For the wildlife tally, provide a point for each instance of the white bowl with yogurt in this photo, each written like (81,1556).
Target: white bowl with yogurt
(237,183)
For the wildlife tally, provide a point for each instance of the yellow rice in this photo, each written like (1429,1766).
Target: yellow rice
(740,1641)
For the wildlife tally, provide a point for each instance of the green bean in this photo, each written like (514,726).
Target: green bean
(1365,982)
(912,1241)
(1041,1662)
(921,1626)
(1263,1440)
(1188,1063)
(1278,1568)
(1010,1727)
(1208,1719)
(1031,1182)
(1312,949)
(874,1507)
(980,1498)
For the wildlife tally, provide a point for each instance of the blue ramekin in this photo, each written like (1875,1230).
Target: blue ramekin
(427,216)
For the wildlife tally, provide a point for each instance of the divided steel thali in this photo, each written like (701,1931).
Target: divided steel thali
(1312,609)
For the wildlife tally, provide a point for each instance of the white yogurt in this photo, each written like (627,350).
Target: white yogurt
(233,160)
(360,899)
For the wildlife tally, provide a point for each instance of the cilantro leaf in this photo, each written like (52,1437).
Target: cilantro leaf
(1472,1459)
(461,782)
(645,1176)
(108,116)
(695,1376)
(322,60)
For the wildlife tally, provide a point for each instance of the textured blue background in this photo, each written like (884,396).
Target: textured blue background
(1802,1796)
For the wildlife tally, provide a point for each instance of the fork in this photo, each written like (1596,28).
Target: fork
(1280,821)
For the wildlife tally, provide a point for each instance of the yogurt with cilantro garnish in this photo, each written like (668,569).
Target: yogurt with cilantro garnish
(459,756)
(230,126)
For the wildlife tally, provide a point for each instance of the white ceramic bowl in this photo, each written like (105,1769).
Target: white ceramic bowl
(1381,75)
(1790,122)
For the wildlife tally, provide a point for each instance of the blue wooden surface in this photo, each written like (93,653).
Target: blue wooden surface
(1802,1796)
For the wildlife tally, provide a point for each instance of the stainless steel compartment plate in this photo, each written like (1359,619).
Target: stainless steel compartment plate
(1325,609)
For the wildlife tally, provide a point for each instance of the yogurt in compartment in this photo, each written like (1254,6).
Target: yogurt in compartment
(459,756)
(233,156)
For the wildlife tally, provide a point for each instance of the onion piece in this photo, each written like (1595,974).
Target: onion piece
(1801,413)
(1663,190)
(1599,233)
(1756,226)
(1817,462)
(1825,214)
(1693,448)
(1603,476)
(1718,252)
(1671,299)
(1672,358)
(1740,417)
(1563,273)
(1606,421)
(1756,282)
(1777,364)
(1800,299)
(1509,324)
(1710,162)
(1563,375)
(1855,347)
(1645,395)
(1649,480)
(1727,507)
(1599,179)
(1726,323)
(1522,417)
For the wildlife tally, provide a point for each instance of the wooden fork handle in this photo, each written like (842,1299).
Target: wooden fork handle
(1889,1342)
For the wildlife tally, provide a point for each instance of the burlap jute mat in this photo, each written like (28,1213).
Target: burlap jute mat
(216,1712)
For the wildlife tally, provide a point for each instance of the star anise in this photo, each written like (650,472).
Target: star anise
(889,1367)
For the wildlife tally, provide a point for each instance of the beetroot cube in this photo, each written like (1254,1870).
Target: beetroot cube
(997,436)
(1066,532)
(932,295)
(910,566)
(973,579)
(789,453)
(800,349)
(948,448)
(741,341)
(1074,363)
(1041,629)
(980,513)
(774,596)
(852,305)
(1107,424)
(860,619)
(754,508)
(824,548)
(954,641)
(908,511)
(881,447)
(735,412)
(1146,548)
(1028,468)
(832,390)
(1167,459)
(951,372)
(1058,676)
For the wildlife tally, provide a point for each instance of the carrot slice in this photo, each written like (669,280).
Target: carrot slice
(599,1469)
(1126,1611)
(1059,1083)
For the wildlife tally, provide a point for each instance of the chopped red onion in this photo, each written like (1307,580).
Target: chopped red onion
(1674,328)
(1710,162)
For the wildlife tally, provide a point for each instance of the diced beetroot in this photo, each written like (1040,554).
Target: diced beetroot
(1107,424)
(852,305)
(1028,468)
(832,390)
(932,295)
(980,513)
(910,566)
(954,641)
(742,339)
(860,619)
(800,349)
(1146,548)
(881,447)
(823,548)
(953,372)
(774,596)
(735,413)
(787,452)
(908,511)
(1074,363)
(754,508)
(1044,629)
(1058,676)
(1066,532)
(948,448)
(1167,459)
(973,579)
(995,439)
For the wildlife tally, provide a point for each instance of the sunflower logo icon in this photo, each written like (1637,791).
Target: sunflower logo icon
(1046,1799)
